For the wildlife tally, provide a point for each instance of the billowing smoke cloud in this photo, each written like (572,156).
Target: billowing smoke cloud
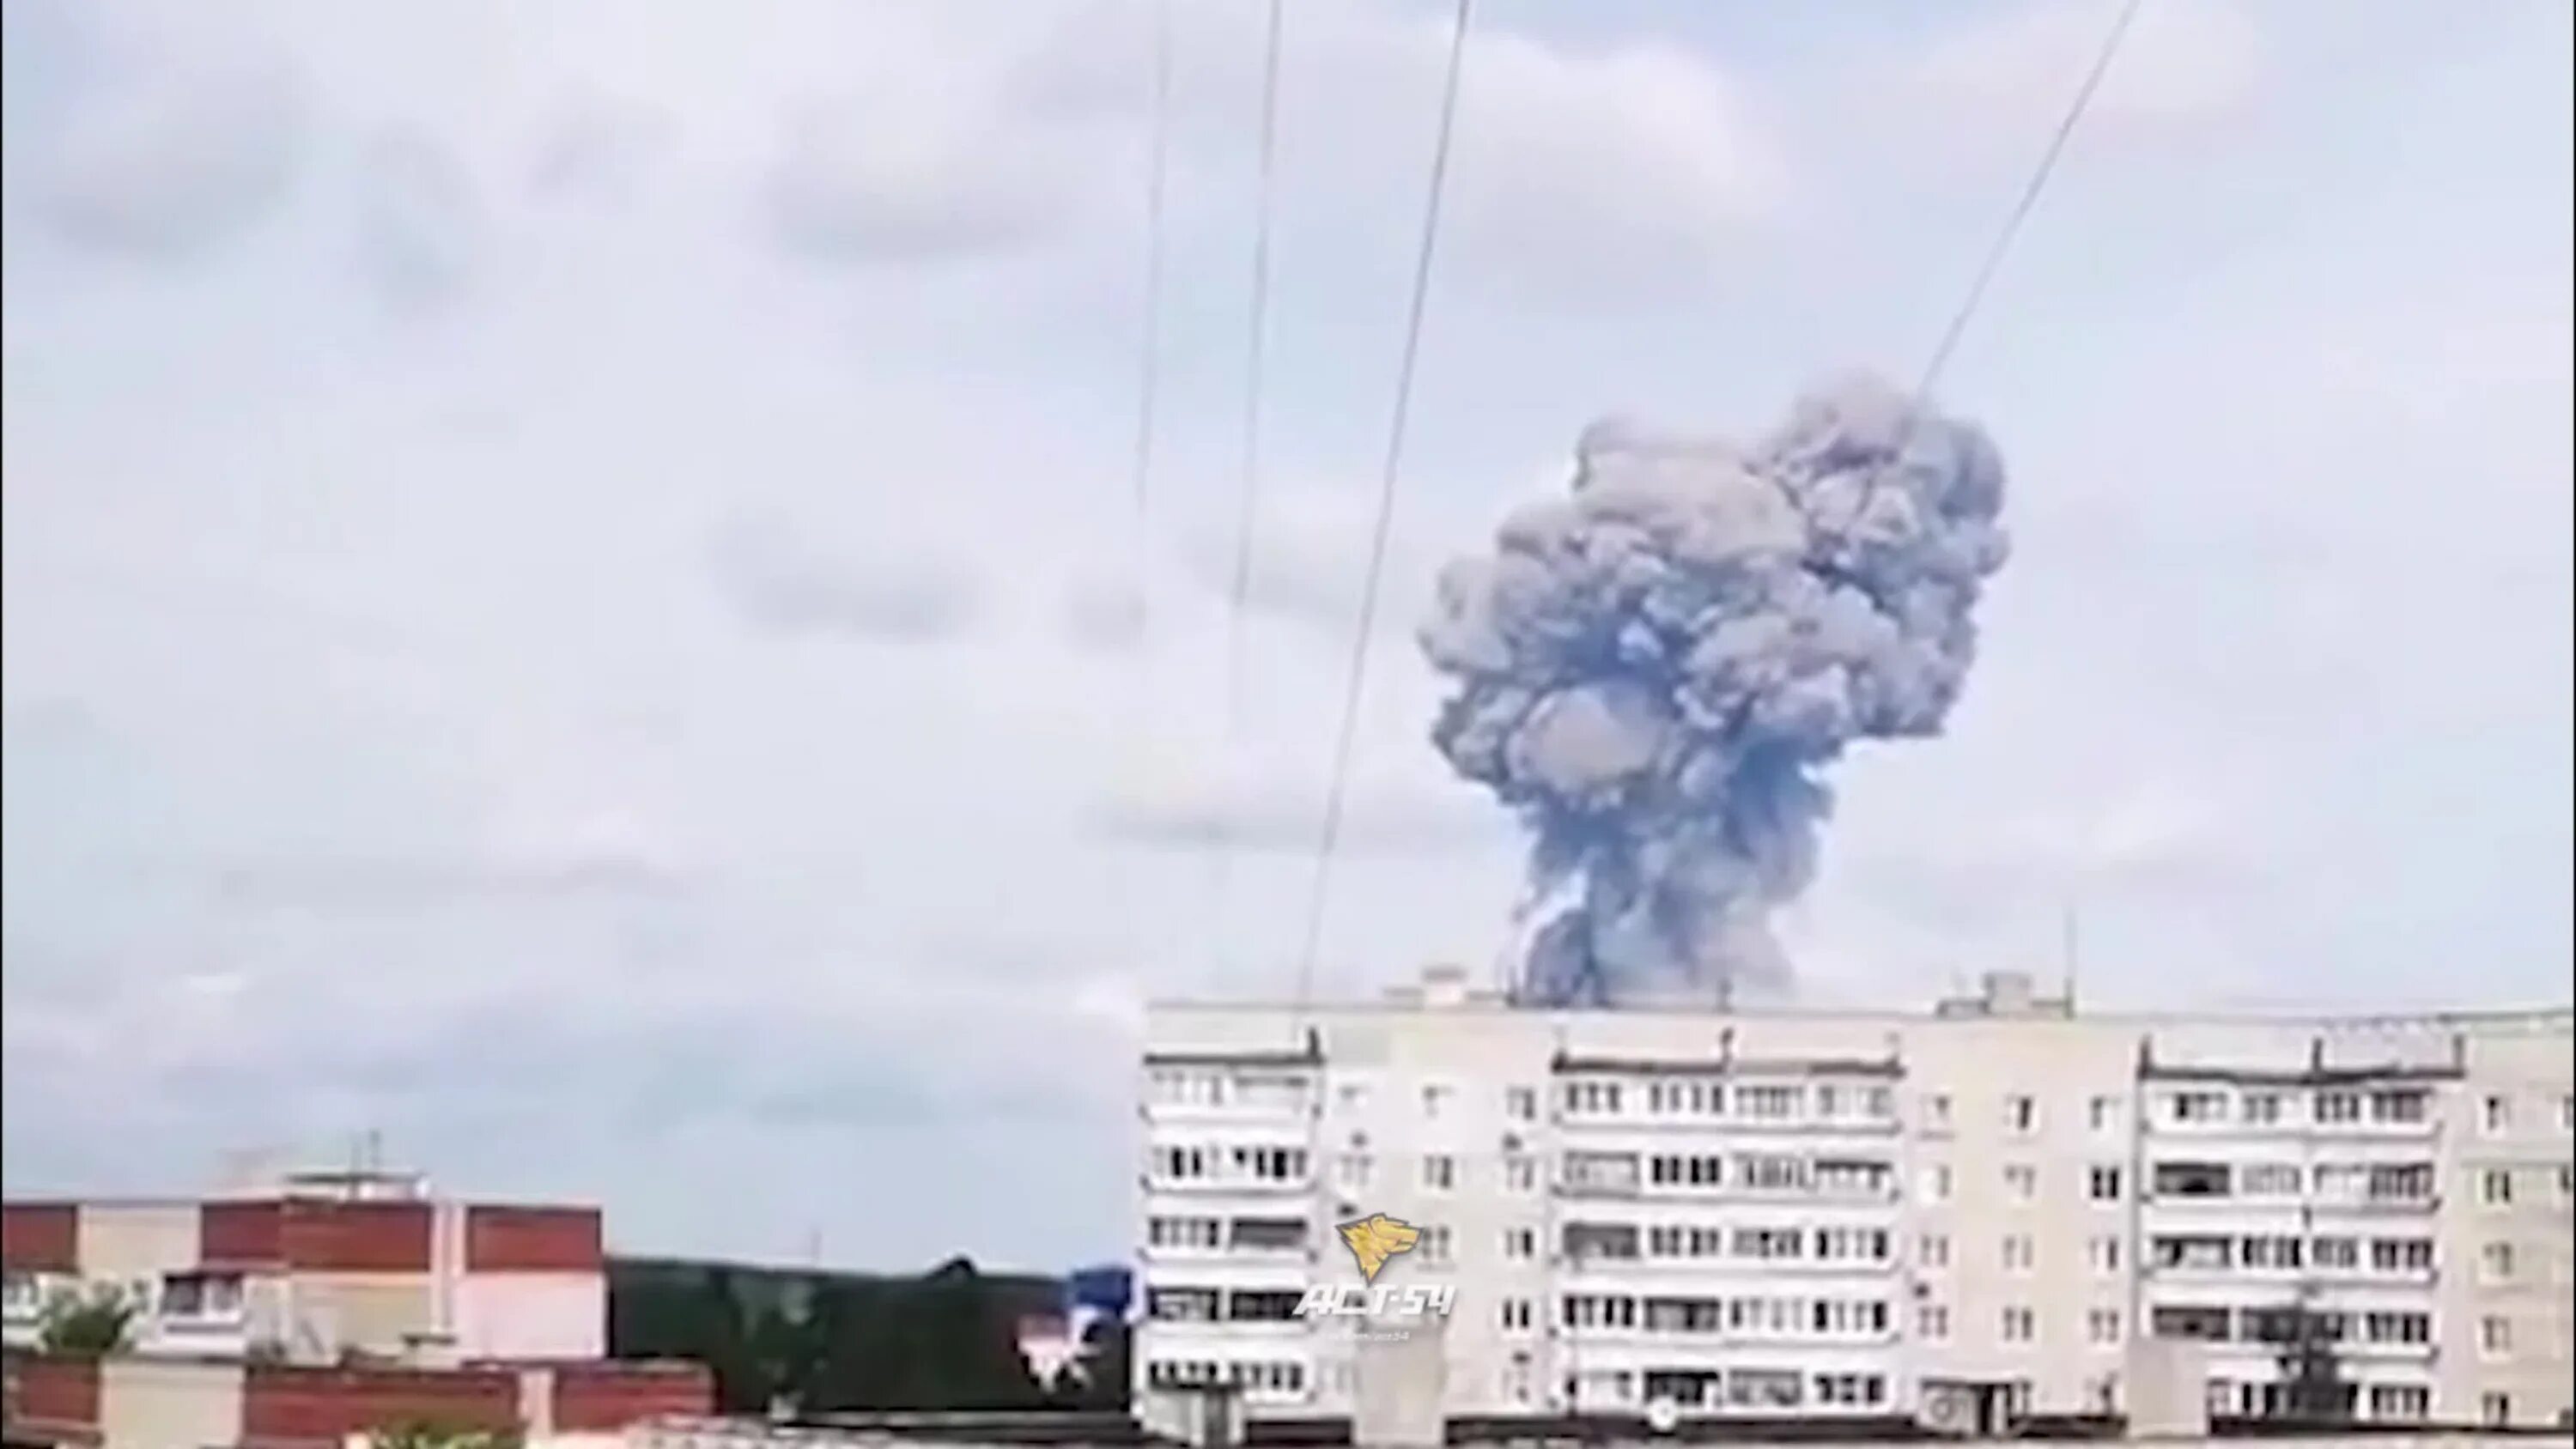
(1655,672)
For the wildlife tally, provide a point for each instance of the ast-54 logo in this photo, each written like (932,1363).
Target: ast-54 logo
(1375,1241)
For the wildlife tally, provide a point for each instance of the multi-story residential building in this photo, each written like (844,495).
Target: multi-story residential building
(319,1266)
(2001,1207)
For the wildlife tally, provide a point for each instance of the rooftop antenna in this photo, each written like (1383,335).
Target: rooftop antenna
(2071,957)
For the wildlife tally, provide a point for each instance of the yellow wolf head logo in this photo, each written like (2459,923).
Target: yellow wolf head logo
(1376,1238)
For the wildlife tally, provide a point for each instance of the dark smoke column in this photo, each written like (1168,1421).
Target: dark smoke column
(1654,672)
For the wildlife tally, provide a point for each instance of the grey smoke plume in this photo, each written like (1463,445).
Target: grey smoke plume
(1655,672)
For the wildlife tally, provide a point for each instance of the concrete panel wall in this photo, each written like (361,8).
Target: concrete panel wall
(371,1311)
(532,1315)
(160,1404)
(122,1242)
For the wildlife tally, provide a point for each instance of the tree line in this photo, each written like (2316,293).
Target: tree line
(813,1342)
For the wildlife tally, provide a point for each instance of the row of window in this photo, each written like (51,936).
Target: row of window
(1229,1164)
(2387,1403)
(2291,1325)
(2336,1182)
(2279,1251)
(1226,1087)
(1206,1234)
(1750,1102)
(1768,1317)
(169,1295)
(1588,1242)
(2016,1323)
(1775,1102)
(1850,1177)
(1282,1378)
(1752,1172)
(1736,1388)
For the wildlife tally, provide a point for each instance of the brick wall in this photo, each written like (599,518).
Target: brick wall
(40,1237)
(293,1406)
(533,1240)
(610,1396)
(56,1397)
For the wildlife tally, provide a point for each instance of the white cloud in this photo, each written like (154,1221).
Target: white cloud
(426,642)
(194,135)
(2183,66)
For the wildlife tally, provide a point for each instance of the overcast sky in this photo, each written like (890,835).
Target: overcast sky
(573,597)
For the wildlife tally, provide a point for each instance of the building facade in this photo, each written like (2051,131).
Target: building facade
(317,1268)
(1997,1209)
(162,1402)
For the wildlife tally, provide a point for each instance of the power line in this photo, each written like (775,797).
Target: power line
(1993,260)
(1329,839)
(2029,199)
(1157,165)
(1148,401)
(1248,513)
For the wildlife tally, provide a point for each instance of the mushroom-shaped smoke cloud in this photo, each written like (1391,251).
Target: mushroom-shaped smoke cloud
(1654,672)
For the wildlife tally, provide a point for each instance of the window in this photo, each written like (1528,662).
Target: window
(1435,1097)
(2407,1105)
(2269,1251)
(1766,1172)
(1267,1235)
(1520,1242)
(2262,1108)
(2336,1253)
(2495,1334)
(2190,1179)
(2497,1409)
(1936,1182)
(2495,1186)
(2199,1106)
(1435,1244)
(1932,1322)
(1353,1096)
(2102,1184)
(2018,1253)
(1933,1251)
(1268,1164)
(1439,1172)
(1878,1104)
(1520,1174)
(1520,1103)
(2407,1182)
(2400,1403)
(2103,1113)
(1516,1314)
(1351,1169)
(2338,1107)
(2202,1325)
(2394,1327)
(2104,1254)
(2268,1179)
(2495,1261)
(1936,1112)
(2496,1115)
(207,1295)
(1768,1104)
(2102,1325)
(2021,1180)
(2021,1325)
(2021,1114)
(2401,1255)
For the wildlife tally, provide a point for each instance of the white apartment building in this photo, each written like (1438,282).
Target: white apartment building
(2000,1208)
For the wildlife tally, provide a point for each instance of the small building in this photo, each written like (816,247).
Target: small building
(318,1266)
(321,1309)
(160,1402)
